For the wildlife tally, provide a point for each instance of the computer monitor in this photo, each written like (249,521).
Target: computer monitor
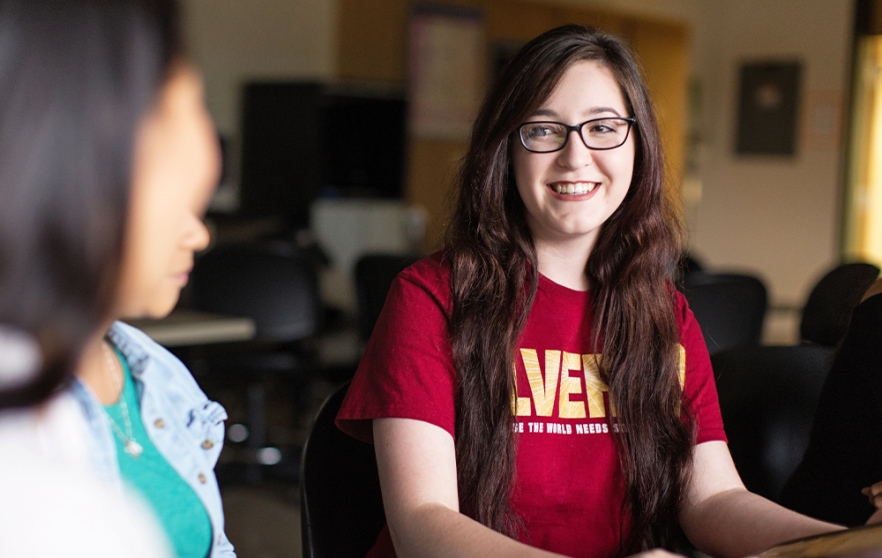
(302,140)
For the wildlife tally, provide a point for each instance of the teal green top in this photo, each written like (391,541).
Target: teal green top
(178,508)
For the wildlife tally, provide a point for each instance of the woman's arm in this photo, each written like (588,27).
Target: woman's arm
(417,466)
(722,518)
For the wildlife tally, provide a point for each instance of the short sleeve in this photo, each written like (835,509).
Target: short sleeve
(699,389)
(407,368)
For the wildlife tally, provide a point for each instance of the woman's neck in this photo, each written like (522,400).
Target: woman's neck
(99,369)
(564,263)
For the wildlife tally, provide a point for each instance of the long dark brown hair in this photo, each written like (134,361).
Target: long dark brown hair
(76,79)
(494,281)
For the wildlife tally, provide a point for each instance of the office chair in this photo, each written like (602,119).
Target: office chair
(729,307)
(373,274)
(768,397)
(273,284)
(341,507)
(828,308)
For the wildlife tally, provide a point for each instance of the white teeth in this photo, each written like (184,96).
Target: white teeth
(575,189)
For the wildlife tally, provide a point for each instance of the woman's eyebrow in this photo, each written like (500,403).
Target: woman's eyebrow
(544,112)
(601,110)
(590,112)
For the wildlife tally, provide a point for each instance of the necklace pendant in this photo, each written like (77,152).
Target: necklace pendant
(133,448)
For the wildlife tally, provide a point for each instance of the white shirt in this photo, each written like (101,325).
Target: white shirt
(52,505)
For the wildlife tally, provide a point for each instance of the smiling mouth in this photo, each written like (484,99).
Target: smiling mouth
(574,189)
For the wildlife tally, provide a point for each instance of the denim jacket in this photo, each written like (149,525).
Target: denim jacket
(186,427)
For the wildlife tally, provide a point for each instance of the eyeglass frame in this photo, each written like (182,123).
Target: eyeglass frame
(577,128)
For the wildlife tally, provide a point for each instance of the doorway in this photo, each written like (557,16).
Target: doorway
(862,223)
(862,237)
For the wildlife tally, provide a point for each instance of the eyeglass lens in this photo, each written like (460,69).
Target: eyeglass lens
(602,133)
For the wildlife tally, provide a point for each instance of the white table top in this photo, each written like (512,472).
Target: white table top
(187,327)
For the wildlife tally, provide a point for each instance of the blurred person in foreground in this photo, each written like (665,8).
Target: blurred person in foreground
(108,160)
(834,480)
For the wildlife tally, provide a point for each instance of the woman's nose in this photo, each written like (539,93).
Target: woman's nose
(197,236)
(574,153)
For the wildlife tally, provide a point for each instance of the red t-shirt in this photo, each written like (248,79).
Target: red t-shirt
(569,485)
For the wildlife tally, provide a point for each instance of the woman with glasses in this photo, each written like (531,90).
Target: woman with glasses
(108,160)
(539,387)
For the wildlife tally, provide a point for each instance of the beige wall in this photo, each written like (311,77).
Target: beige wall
(236,40)
(779,217)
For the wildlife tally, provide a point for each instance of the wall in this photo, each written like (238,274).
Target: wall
(237,40)
(779,217)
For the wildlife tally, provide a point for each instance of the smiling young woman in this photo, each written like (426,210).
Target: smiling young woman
(569,193)
(539,387)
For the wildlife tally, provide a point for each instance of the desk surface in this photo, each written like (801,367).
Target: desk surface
(186,327)
(862,542)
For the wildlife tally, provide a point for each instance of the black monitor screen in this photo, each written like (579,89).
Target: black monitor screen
(301,140)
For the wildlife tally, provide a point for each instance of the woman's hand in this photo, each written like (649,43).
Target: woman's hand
(874,494)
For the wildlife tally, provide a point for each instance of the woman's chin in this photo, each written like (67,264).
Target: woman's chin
(155,310)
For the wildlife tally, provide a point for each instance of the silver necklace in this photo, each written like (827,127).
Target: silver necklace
(130,445)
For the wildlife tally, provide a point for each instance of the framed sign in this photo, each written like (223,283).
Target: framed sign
(446,69)
(768,108)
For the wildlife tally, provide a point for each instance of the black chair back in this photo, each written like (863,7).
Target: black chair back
(275,285)
(341,508)
(768,397)
(831,301)
(269,282)
(373,276)
(729,307)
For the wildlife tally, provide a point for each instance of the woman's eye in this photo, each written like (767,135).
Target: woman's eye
(604,127)
(540,132)
(543,131)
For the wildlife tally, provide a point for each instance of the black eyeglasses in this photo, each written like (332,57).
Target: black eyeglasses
(599,134)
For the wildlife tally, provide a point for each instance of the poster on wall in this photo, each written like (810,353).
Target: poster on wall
(768,108)
(446,70)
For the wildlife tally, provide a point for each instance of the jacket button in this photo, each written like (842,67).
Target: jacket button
(202,478)
(207,445)
(159,423)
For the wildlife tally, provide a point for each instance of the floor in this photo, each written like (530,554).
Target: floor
(263,521)
(263,517)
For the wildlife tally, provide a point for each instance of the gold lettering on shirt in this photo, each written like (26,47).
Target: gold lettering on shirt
(681,367)
(520,405)
(554,384)
(594,386)
(570,385)
(544,390)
